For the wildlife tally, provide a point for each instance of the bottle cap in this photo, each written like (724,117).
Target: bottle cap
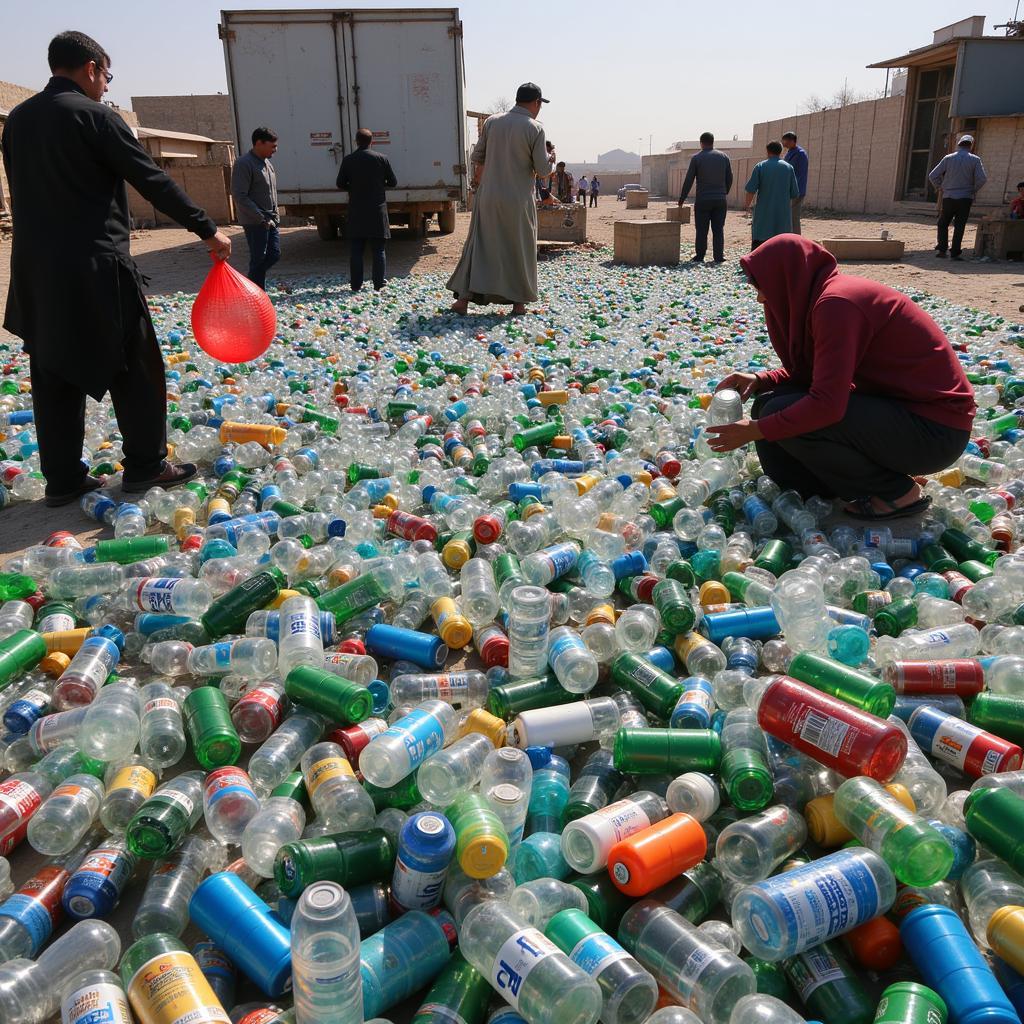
(486,724)
(1005,934)
(875,944)
(823,827)
(54,664)
(648,859)
(909,1001)
(713,592)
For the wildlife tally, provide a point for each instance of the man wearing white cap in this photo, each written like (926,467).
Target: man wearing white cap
(960,175)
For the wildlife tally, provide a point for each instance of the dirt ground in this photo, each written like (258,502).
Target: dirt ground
(175,261)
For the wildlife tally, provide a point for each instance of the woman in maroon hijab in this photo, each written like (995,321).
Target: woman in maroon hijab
(870,393)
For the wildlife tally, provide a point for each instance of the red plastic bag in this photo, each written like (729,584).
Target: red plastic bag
(232,318)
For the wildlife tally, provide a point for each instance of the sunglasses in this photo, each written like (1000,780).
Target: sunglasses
(105,73)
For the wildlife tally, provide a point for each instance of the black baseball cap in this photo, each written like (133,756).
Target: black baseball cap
(528,92)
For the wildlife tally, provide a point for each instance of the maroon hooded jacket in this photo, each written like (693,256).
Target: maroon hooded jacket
(834,333)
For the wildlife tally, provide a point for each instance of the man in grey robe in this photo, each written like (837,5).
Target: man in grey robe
(499,259)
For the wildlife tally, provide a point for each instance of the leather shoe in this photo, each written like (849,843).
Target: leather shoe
(89,483)
(169,476)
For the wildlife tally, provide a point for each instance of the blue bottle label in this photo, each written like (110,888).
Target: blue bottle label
(596,952)
(222,653)
(420,733)
(562,558)
(566,642)
(518,956)
(30,912)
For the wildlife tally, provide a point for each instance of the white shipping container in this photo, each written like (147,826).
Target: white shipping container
(315,77)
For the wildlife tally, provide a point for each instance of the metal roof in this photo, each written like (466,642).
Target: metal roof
(162,133)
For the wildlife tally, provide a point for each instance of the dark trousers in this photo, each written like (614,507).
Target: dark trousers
(355,264)
(955,211)
(581,197)
(709,213)
(139,396)
(873,451)
(264,251)
(593,199)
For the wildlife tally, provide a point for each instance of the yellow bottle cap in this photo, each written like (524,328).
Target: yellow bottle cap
(456,554)
(822,824)
(54,664)
(553,397)
(282,597)
(481,721)
(484,856)
(902,794)
(1006,935)
(713,592)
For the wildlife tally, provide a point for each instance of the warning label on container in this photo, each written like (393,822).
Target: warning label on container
(382,138)
(321,138)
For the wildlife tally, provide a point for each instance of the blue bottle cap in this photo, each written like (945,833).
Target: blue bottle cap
(632,563)
(381,694)
(540,757)
(112,633)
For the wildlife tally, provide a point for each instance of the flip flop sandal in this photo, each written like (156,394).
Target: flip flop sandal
(865,511)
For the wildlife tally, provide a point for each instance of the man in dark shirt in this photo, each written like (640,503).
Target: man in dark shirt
(712,171)
(76,296)
(365,175)
(796,157)
(254,189)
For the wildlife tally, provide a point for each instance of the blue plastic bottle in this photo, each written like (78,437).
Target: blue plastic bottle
(403,957)
(396,643)
(695,706)
(951,964)
(96,885)
(426,845)
(218,971)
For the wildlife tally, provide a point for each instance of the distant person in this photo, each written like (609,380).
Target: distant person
(581,189)
(1017,205)
(773,182)
(561,183)
(75,296)
(365,175)
(796,157)
(499,259)
(254,189)
(712,171)
(544,180)
(960,175)
(595,190)
(870,393)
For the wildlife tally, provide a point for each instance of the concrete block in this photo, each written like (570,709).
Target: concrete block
(863,248)
(637,199)
(642,243)
(562,223)
(678,214)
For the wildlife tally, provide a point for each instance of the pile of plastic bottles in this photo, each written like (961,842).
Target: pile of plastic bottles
(466,685)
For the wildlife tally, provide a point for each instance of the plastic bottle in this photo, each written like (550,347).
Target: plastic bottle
(701,975)
(301,642)
(333,791)
(278,821)
(21,795)
(350,859)
(587,841)
(426,845)
(567,724)
(167,816)
(529,614)
(161,728)
(229,804)
(66,815)
(443,775)
(96,885)
(128,785)
(163,907)
(81,680)
(400,750)
(208,724)
(279,755)
(751,849)
(94,996)
(110,729)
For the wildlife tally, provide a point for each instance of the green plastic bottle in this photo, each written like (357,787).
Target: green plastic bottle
(228,612)
(339,699)
(207,719)
(460,993)
(653,687)
(918,854)
(995,817)
(673,603)
(895,617)
(999,713)
(352,858)
(18,652)
(907,1002)
(828,986)
(509,699)
(656,751)
(166,817)
(132,549)
(838,680)
(365,591)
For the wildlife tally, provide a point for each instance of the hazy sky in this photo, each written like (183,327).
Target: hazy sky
(616,71)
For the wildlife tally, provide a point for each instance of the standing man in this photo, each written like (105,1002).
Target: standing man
(712,171)
(561,183)
(773,182)
(499,259)
(365,175)
(796,157)
(76,297)
(595,190)
(960,175)
(254,188)
(581,189)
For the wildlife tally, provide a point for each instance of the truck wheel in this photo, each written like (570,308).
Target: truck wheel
(418,225)
(326,229)
(446,220)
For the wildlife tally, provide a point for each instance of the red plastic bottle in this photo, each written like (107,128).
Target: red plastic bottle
(834,733)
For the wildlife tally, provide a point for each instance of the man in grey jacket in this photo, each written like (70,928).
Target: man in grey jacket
(712,171)
(254,188)
(960,175)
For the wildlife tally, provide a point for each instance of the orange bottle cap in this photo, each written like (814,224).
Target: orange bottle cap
(875,944)
(648,859)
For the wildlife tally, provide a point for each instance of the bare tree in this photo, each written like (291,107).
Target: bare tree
(843,97)
(502,105)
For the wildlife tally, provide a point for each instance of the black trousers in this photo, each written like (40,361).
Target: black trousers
(955,211)
(593,199)
(138,393)
(355,263)
(709,213)
(873,451)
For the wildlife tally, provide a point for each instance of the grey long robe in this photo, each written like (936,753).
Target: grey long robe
(499,259)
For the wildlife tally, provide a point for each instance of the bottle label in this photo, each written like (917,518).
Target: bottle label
(434,1012)
(161,704)
(226,781)
(419,732)
(296,625)
(696,963)
(824,732)
(20,796)
(170,989)
(56,622)
(452,685)
(222,654)
(186,803)
(326,769)
(817,904)
(562,557)
(93,662)
(809,971)
(952,740)
(619,821)
(108,863)
(136,777)
(563,643)
(37,698)
(596,952)
(517,957)
(265,697)
(417,890)
(37,904)
(157,595)
(67,789)
(101,1003)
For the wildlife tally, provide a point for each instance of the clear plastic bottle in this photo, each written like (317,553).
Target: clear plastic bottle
(110,729)
(538,901)
(587,841)
(30,993)
(407,743)
(54,731)
(571,660)
(761,1008)
(252,657)
(161,730)
(700,974)
(21,796)
(169,595)
(229,804)
(333,791)
(527,970)
(326,976)
(636,629)
(464,690)
(81,680)
(271,763)
(443,775)
(505,782)
(280,820)
(129,784)
(66,815)
(529,617)
(479,594)
(163,907)
(301,642)
(693,793)
(750,849)
(94,997)
(922,781)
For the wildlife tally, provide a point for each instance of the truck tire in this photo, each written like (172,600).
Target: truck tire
(326,228)
(446,219)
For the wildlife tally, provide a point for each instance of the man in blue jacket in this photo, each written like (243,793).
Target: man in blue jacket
(796,157)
